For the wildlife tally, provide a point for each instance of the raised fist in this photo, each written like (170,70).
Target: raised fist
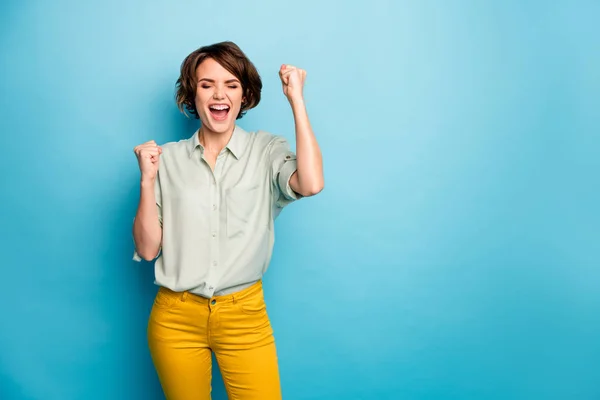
(148,155)
(292,81)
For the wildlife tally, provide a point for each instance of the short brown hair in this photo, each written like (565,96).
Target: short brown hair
(233,59)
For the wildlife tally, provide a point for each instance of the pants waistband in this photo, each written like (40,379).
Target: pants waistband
(227,298)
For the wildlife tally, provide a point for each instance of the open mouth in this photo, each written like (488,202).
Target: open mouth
(219,111)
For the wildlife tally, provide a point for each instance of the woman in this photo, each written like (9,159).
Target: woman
(206,212)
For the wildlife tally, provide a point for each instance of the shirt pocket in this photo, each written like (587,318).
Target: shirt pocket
(242,203)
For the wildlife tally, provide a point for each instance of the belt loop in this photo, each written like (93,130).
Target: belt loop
(184,296)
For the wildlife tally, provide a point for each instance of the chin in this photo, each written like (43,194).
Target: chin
(218,126)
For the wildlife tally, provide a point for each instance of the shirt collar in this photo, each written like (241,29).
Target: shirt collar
(236,145)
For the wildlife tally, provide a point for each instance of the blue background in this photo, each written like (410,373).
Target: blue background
(455,250)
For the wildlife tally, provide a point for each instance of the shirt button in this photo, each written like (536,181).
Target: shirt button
(215,263)
(214,234)
(214,207)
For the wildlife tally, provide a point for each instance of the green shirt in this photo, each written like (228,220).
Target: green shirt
(218,225)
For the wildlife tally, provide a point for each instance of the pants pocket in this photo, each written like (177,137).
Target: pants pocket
(165,300)
(254,306)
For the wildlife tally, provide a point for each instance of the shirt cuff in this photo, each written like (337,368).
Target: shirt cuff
(285,174)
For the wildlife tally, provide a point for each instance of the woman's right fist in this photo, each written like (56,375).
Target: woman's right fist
(148,155)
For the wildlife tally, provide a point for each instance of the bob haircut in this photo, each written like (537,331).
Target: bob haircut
(233,59)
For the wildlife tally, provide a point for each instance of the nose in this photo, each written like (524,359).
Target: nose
(218,94)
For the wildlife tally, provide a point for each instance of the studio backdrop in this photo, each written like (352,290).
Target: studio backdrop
(453,254)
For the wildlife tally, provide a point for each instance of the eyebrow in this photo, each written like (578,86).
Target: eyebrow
(212,80)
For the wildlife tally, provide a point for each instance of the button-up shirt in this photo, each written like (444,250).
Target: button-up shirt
(218,224)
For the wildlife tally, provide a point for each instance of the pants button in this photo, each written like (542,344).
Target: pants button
(213,302)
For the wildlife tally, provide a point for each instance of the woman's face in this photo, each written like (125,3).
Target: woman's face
(218,96)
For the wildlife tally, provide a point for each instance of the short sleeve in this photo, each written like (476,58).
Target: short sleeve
(158,198)
(283,165)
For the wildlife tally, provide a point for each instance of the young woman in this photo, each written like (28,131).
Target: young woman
(206,213)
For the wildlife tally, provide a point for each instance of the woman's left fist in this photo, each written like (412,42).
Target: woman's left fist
(292,81)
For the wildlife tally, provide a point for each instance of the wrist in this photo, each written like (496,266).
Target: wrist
(147,182)
(297,100)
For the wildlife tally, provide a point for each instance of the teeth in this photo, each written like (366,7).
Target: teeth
(219,107)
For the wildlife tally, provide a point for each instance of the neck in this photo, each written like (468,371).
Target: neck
(212,141)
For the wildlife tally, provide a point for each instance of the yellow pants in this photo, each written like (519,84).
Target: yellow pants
(184,329)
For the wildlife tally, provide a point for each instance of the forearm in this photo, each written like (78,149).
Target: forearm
(147,232)
(308,179)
